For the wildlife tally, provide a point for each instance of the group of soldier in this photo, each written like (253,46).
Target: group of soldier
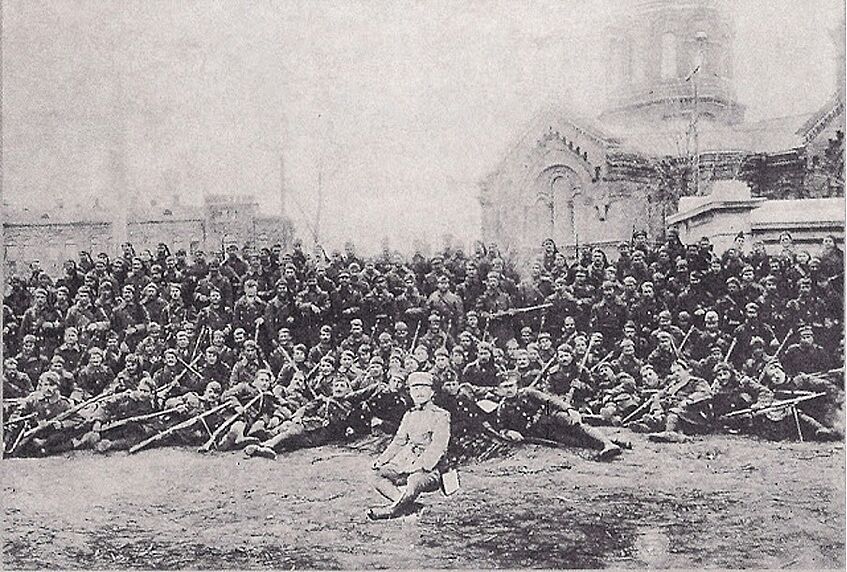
(268,350)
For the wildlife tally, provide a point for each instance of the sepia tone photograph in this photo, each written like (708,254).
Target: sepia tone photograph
(422,284)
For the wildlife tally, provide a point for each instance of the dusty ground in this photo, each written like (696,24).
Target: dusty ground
(716,502)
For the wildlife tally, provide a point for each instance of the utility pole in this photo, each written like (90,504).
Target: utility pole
(701,40)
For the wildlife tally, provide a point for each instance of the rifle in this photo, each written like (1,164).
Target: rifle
(602,361)
(145,417)
(485,330)
(669,390)
(513,311)
(778,405)
(165,389)
(207,446)
(782,345)
(197,343)
(19,419)
(587,353)
(685,339)
(544,369)
(174,428)
(415,337)
(729,351)
(25,438)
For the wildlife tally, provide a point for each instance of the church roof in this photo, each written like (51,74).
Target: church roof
(676,137)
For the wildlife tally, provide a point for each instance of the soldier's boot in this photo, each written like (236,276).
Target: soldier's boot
(103,445)
(89,440)
(417,483)
(236,439)
(598,440)
(671,434)
(227,442)
(822,432)
(254,450)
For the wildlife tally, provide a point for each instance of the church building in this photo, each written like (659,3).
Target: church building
(671,128)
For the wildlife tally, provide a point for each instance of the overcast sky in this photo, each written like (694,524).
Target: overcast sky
(402,106)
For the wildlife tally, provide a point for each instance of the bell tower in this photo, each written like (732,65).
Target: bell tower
(671,59)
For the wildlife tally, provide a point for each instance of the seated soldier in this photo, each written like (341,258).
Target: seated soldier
(415,454)
(688,399)
(531,414)
(320,421)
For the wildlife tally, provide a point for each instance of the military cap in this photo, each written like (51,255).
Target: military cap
(326,328)
(751,306)
(40,291)
(213,385)
(805,329)
(757,342)
(384,336)
(131,358)
(348,353)
(63,288)
(804,280)
(154,327)
(250,282)
(624,376)
(264,371)
(441,352)
(171,351)
(471,313)
(623,244)
(434,317)
(107,285)
(420,378)
(213,349)
(510,376)
(664,335)
(544,335)
(484,346)
(356,321)
(565,348)
(639,233)
(48,378)
(696,275)
(95,351)
(145,383)
(29,338)
(57,359)
(721,366)
(328,359)
(300,347)
(732,279)
(606,365)
(249,344)
(376,359)
(526,329)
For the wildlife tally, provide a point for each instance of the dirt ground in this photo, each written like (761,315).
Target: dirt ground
(719,501)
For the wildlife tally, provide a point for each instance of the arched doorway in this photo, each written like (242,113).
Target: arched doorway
(557,188)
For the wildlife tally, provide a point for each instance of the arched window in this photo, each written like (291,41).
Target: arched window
(669,63)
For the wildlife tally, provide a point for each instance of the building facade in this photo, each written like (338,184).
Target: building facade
(54,236)
(672,128)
